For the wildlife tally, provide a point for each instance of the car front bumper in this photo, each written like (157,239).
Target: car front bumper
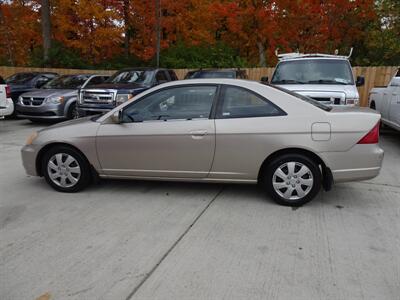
(47,111)
(29,154)
(361,162)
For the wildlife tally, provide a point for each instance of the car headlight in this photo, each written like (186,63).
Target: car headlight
(122,98)
(20,100)
(55,100)
(31,138)
(352,101)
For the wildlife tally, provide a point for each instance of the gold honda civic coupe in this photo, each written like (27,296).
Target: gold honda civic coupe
(213,130)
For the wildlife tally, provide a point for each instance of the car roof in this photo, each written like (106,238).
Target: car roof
(142,69)
(313,58)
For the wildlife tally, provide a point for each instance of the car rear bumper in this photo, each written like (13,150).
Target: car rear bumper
(7,109)
(361,162)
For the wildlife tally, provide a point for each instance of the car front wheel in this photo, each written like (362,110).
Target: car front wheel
(65,169)
(292,179)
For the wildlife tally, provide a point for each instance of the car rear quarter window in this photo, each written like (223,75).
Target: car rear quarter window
(2,80)
(237,102)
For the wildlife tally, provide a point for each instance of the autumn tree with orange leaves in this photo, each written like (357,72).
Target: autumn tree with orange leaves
(96,32)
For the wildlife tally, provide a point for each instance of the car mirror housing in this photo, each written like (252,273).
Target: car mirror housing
(264,79)
(360,81)
(116,117)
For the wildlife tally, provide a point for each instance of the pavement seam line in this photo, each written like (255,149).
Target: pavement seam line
(132,294)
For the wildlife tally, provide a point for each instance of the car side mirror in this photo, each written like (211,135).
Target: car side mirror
(116,117)
(360,81)
(264,79)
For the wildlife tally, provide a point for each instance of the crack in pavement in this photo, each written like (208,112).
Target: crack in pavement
(132,294)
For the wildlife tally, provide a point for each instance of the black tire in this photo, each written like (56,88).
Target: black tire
(299,159)
(73,112)
(85,171)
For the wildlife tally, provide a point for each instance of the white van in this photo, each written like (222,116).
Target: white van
(6,103)
(326,78)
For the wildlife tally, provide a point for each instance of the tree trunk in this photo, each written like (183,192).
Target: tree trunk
(46,29)
(158,33)
(261,55)
(127,28)
(7,37)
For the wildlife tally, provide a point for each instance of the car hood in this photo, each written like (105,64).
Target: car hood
(79,121)
(307,89)
(46,93)
(126,86)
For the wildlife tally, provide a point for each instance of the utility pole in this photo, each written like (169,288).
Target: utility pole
(158,31)
(46,29)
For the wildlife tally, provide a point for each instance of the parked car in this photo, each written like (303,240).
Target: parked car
(217,73)
(56,100)
(121,87)
(213,130)
(325,78)
(386,100)
(6,103)
(27,81)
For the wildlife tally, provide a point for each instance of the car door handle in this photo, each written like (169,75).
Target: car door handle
(198,132)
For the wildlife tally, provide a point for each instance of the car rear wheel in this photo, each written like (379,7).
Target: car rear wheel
(65,169)
(292,179)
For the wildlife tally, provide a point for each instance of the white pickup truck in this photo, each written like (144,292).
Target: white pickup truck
(386,100)
(6,103)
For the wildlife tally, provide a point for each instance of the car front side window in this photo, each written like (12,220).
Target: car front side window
(241,103)
(188,102)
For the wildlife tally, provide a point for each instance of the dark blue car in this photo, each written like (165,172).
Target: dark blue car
(27,81)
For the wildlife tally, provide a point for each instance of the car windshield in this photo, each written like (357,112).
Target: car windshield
(313,71)
(301,97)
(20,78)
(212,74)
(132,76)
(66,82)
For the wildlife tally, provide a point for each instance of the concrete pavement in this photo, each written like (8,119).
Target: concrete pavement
(159,240)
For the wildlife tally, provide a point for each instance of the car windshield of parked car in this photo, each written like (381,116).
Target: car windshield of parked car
(66,82)
(132,76)
(20,78)
(313,71)
(302,97)
(212,74)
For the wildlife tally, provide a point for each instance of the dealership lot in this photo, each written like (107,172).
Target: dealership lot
(160,240)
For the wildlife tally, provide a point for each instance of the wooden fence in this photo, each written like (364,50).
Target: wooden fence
(374,76)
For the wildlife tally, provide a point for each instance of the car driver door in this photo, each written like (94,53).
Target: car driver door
(168,133)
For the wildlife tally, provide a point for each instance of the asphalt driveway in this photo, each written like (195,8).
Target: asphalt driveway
(160,240)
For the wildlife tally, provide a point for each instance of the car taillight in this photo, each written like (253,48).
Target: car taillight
(371,137)
(8,91)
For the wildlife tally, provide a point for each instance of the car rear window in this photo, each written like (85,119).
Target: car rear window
(301,97)
(213,74)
